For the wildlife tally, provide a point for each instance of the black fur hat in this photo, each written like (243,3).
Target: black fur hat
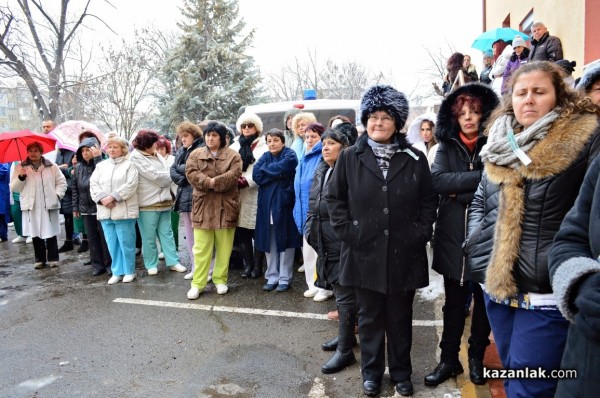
(447,126)
(387,99)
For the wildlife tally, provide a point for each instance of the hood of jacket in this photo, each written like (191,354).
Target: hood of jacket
(447,126)
(413,134)
(86,143)
(291,112)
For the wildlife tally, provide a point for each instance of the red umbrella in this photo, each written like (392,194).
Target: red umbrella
(13,146)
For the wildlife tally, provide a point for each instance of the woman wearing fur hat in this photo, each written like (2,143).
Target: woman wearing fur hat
(213,171)
(518,58)
(456,173)
(540,143)
(381,203)
(251,146)
(590,82)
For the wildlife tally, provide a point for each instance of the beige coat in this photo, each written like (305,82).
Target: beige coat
(249,195)
(219,207)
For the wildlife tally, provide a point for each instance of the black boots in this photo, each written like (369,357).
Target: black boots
(85,246)
(330,345)
(248,257)
(259,257)
(476,371)
(67,246)
(343,356)
(443,372)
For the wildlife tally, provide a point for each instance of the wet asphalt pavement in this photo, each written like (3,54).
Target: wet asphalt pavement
(65,333)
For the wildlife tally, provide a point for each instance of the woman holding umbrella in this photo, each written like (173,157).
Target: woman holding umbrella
(42,186)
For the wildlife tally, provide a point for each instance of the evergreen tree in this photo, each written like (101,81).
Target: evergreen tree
(208,76)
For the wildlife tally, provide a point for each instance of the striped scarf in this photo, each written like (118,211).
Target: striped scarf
(383,154)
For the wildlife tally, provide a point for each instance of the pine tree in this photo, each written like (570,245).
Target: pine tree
(208,76)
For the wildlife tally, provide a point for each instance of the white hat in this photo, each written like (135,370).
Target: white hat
(518,42)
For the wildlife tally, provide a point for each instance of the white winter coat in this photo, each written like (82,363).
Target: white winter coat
(154,185)
(119,179)
(498,69)
(53,182)
(249,195)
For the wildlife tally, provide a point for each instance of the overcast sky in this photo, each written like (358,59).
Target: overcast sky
(384,35)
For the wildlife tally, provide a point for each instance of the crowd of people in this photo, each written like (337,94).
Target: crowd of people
(496,178)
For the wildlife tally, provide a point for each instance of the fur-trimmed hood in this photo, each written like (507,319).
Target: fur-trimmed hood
(447,126)
(249,117)
(552,156)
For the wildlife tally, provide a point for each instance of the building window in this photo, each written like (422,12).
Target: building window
(525,25)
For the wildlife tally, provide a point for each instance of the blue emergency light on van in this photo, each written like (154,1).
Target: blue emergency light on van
(310,94)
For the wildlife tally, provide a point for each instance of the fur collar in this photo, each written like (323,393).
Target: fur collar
(551,156)
(45,162)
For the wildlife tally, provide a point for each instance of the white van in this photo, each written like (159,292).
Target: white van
(272,113)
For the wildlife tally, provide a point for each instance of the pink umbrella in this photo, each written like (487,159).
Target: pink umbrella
(67,133)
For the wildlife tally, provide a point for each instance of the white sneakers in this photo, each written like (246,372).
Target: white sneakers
(53,264)
(301,268)
(189,275)
(126,279)
(29,239)
(153,271)
(193,293)
(323,295)
(19,239)
(222,289)
(178,268)
(311,292)
(161,256)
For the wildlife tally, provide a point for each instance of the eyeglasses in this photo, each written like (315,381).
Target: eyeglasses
(384,118)
(247,125)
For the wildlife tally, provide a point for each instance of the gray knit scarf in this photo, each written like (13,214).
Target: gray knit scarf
(383,154)
(498,149)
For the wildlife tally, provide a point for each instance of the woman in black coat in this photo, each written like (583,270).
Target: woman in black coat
(88,155)
(382,206)
(321,237)
(456,173)
(191,139)
(574,264)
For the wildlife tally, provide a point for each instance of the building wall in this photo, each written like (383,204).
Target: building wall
(575,22)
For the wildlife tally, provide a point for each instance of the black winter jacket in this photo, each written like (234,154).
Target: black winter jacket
(65,156)
(516,213)
(183,200)
(319,233)
(575,255)
(548,48)
(383,223)
(456,173)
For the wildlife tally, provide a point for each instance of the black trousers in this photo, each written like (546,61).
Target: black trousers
(382,316)
(454,321)
(69,227)
(45,250)
(99,255)
(345,297)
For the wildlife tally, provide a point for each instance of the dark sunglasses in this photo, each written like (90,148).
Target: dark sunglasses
(247,125)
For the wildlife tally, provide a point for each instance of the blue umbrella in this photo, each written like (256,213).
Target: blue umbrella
(485,40)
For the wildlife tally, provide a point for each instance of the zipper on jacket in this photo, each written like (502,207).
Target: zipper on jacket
(462,273)
(471,158)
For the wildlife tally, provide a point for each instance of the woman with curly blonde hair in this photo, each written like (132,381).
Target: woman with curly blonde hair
(540,144)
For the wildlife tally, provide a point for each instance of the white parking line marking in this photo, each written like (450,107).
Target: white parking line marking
(239,310)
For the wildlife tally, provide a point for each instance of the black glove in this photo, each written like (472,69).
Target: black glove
(588,304)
